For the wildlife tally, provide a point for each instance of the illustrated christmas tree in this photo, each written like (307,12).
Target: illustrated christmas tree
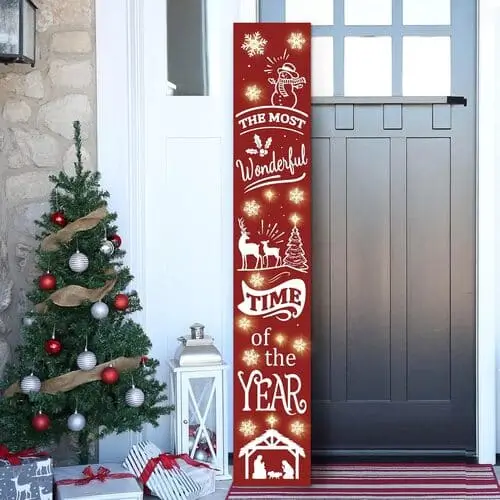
(81,367)
(295,256)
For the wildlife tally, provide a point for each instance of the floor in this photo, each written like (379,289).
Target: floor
(222,488)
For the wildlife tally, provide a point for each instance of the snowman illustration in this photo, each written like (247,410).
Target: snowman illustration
(285,85)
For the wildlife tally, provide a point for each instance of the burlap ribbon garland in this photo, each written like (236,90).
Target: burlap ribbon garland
(53,241)
(69,381)
(75,295)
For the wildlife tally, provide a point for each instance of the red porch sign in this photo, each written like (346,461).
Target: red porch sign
(272,254)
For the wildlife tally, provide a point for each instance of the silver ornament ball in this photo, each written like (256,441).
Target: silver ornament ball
(99,310)
(28,321)
(31,383)
(76,422)
(107,247)
(134,397)
(78,262)
(201,455)
(86,360)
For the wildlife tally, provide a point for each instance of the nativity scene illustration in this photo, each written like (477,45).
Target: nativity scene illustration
(276,446)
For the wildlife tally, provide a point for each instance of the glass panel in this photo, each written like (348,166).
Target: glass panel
(202,419)
(187,46)
(368,66)
(9,27)
(314,12)
(426,12)
(28,30)
(368,12)
(426,66)
(322,65)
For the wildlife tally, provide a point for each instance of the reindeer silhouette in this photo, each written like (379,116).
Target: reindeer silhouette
(271,252)
(247,249)
(44,496)
(22,488)
(43,467)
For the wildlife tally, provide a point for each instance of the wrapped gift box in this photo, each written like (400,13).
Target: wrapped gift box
(31,479)
(203,476)
(167,476)
(94,483)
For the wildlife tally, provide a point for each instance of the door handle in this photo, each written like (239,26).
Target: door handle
(456,99)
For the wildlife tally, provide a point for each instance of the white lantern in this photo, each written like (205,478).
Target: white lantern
(200,392)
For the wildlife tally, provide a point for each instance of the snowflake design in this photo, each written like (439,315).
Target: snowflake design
(251,208)
(245,324)
(298,428)
(296,196)
(296,41)
(253,93)
(248,428)
(254,44)
(251,357)
(261,149)
(257,280)
(299,345)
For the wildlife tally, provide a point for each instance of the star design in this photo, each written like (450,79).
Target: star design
(272,420)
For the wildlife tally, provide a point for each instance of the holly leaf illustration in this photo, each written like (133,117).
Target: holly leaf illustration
(257,141)
(268,143)
(252,151)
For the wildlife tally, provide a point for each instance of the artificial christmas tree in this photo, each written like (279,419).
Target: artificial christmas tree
(82,366)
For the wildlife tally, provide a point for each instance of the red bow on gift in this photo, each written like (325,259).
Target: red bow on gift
(15,458)
(167,461)
(102,475)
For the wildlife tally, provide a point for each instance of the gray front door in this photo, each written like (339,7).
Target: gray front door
(393,223)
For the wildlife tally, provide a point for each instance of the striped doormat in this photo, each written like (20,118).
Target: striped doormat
(381,481)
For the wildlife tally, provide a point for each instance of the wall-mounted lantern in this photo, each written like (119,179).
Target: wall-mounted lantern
(17,31)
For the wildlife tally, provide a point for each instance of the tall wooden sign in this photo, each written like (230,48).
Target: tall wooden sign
(272,254)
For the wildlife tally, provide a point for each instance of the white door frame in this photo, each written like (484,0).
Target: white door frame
(121,139)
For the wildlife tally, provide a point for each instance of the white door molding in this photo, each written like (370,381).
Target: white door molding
(120,146)
(488,278)
(121,111)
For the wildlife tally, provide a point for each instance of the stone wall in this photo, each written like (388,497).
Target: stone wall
(37,108)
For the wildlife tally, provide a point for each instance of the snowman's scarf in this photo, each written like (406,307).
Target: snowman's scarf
(295,82)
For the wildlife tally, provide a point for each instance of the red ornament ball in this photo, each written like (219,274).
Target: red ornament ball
(116,240)
(53,347)
(40,422)
(110,375)
(47,282)
(58,219)
(121,302)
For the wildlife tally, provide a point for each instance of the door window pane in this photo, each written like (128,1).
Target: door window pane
(187,47)
(426,66)
(426,12)
(368,66)
(314,12)
(368,12)
(322,65)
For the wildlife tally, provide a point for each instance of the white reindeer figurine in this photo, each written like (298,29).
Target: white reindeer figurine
(271,252)
(22,488)
(43,495)
(247,249)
